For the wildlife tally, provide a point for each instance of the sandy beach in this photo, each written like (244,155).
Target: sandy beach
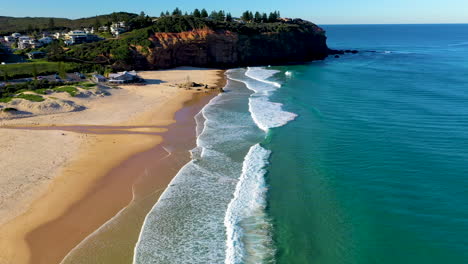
(65,174)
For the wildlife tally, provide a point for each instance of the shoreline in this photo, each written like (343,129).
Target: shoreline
(40,225)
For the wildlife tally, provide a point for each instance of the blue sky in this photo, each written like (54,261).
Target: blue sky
(318,11)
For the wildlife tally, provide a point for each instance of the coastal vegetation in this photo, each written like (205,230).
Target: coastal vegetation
(9,25)
(136,46)
(38,87)
(35,68)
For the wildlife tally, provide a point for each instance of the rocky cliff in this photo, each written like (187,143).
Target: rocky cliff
(223,48)
(187,41)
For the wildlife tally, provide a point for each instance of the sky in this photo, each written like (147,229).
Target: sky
(317,11)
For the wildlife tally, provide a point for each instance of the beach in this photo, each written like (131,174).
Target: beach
(66,174)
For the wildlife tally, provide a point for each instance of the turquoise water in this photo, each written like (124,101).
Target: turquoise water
(375,168)
(359,159)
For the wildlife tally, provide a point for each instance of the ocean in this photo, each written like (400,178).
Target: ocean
(357,159)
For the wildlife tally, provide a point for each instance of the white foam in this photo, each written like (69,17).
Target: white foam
(248,207)
(260,74)
(268,114)
(265,113)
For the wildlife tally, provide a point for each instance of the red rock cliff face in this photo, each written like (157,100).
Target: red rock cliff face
(207,48)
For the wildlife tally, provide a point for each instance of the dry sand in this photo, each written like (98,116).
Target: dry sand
(45,173)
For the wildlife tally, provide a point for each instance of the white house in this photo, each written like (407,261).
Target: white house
(123,77)
(28,43)
(118,27)
(46,40)
(9,38)
(76,36)
(98,78)
(57,35)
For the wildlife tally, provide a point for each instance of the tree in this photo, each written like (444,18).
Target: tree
(167,13)
(61,70)
(162,14)
(228,17)
(55,52)
(273,17)
(245,16)
(204,13)
(177,12)
(214,15)
(142,14)
(258,17)
(51,23)
(34,71)
(221,15)
(196,13)
(97,24)
(264,18)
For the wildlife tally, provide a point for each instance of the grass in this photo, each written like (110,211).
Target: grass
(5,99)
(21,70)
(88,86)
(41,91)
(31,97)
(68,89)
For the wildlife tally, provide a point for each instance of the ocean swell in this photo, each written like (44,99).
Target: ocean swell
(247,225)
(213,211)
(265,113)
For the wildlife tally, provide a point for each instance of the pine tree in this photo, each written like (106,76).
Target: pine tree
(162,14)
(264,18)
(214,15)
(204,13)
(228,17)
(196,13)
(272,17)
(221,15)
(177,12)
(258,17)
(167,13)
(245,16)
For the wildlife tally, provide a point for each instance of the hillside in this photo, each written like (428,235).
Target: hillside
(186,40)
(10,25)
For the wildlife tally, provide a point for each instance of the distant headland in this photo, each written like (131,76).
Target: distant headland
(126,41)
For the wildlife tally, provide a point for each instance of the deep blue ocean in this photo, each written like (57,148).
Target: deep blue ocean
(357,159)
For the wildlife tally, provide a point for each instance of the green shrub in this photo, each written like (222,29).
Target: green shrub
(31,97)
(5,99)
(68,89)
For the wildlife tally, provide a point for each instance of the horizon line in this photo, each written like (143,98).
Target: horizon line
(324,24)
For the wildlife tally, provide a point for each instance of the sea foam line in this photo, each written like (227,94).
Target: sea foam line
(269,73)
(266,114)
(180,172)
(248,205)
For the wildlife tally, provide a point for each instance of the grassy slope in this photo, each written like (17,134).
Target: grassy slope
(9,25)
(26,69)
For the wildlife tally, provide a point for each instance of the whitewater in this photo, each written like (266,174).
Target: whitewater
(214,210)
